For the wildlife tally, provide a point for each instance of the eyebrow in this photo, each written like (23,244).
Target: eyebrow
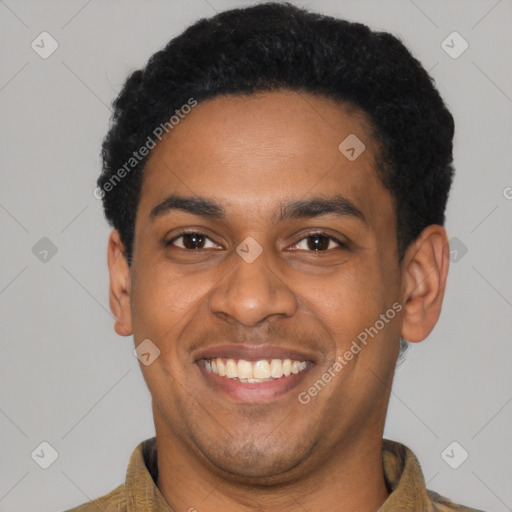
(300,209)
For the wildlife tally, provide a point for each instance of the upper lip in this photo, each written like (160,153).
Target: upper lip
(253,353)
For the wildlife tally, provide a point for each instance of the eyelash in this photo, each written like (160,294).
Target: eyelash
(342,245)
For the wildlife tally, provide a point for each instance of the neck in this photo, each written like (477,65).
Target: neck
(351,479)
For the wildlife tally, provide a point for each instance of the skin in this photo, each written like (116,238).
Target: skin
(251,154)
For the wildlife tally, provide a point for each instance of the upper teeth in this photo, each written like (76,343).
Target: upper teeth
(254,371)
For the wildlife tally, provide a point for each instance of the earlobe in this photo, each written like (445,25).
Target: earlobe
(120,285)
(424,277)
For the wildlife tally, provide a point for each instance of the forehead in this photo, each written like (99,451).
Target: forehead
(251,152)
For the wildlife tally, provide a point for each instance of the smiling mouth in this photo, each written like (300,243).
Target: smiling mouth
(253,372)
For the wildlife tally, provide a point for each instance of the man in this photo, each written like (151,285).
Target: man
(276,181)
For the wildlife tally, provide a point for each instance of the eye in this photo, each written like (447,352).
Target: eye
(318,242)
(191,240)
(195,240)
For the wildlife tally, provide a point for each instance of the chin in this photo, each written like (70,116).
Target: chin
(252,463)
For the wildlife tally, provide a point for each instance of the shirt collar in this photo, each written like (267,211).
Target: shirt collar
(404,479)
(141,491)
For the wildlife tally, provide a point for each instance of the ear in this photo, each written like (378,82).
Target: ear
(120,285)
(425,271)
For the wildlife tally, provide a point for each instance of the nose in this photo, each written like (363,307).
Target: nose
(251,292)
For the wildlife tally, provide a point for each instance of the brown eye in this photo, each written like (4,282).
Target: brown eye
(318,242)
(191,241)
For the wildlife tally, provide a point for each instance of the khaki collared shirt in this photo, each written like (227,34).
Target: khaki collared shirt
(402,472)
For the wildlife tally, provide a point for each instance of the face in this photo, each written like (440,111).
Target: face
(289,253)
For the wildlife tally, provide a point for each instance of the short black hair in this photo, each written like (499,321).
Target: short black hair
(275,46)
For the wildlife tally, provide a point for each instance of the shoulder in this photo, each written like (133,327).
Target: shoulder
(114,501)
(442,504)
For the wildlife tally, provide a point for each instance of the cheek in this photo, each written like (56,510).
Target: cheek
(167,306)
(162,308)
(347,301)
(162,301)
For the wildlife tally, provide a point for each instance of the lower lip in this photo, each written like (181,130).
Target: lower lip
(254,392)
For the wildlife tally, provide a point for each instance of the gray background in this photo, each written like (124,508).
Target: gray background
(69,380)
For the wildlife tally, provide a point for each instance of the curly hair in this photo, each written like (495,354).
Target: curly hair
(274,46)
